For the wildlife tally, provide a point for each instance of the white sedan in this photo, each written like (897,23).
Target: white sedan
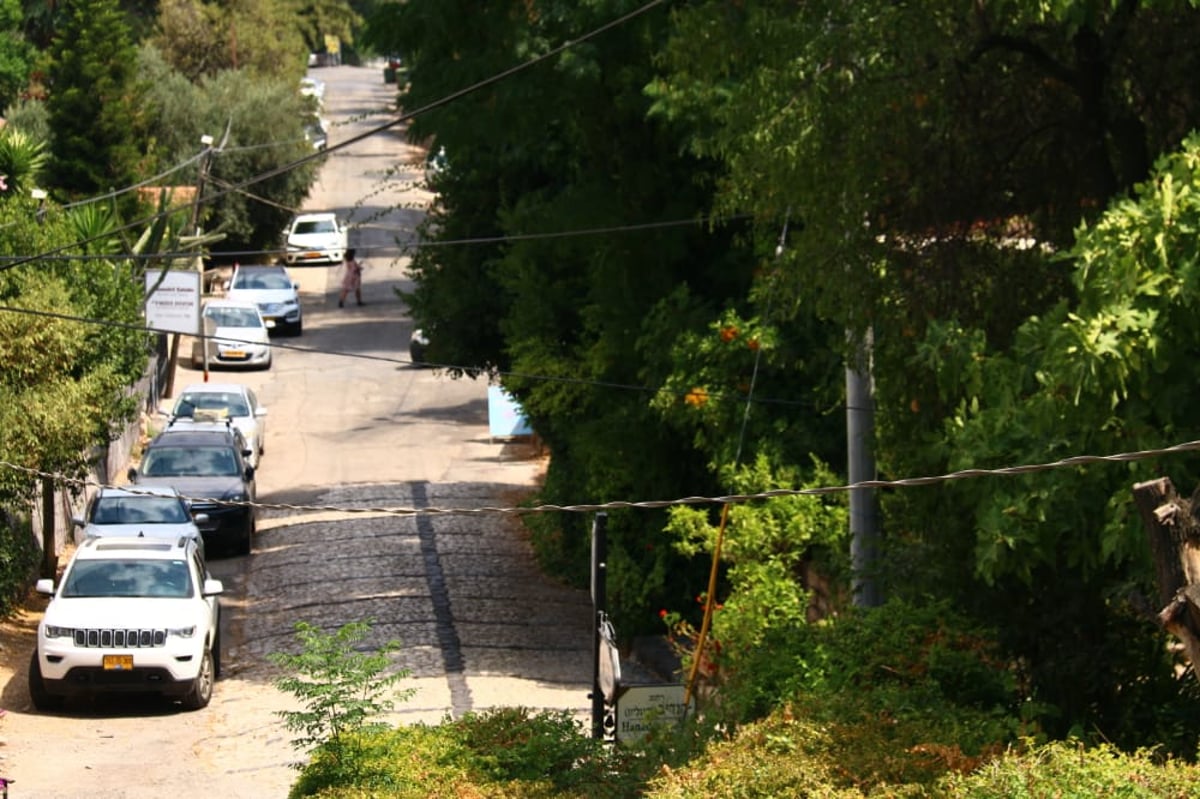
(234,335)
(205,402)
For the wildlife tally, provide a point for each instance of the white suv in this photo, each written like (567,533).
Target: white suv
(131,615)
(315,238)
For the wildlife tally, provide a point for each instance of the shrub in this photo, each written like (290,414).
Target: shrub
(343,692)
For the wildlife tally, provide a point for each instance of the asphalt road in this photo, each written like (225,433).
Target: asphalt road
(351,426)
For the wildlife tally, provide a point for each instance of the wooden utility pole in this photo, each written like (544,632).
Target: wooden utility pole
(1173,532)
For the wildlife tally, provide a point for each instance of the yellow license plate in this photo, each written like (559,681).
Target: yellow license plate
(118,662)
(233,354)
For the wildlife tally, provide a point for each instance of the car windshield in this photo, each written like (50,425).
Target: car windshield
(231,404)
(315,226)
(261,280)
(132,577)
(190,462)
(233,317)
(139,510)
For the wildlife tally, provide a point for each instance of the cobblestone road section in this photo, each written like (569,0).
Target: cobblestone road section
(478,624)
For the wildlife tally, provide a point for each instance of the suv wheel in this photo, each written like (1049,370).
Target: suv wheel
(202,686)
(216,651)
(37,689)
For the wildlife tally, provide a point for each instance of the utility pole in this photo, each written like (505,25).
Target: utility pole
(860,437)
(599,611)
(173,359)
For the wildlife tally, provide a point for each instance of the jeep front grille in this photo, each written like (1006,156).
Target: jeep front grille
(122,639)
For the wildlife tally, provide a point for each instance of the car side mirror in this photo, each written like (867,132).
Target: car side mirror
(246,453)
(131,474)
(260,412)
(200,518)
(212,587)
(45,586)
(79,521)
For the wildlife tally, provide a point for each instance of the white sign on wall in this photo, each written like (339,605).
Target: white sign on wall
(173,301)
(640,708)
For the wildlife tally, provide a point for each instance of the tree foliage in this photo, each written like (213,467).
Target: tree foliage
(202,39)
(92,101)
(63,377)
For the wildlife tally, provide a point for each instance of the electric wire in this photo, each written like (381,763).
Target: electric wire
(274,344)
(414,244)
(118,192)
(516,510)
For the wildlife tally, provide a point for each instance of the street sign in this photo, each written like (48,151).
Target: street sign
(610,662)
(640,708)
(173,301)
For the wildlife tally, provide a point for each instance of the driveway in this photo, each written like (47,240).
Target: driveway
(353,433)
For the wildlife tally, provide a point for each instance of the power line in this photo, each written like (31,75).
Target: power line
(416,244)
(136,186)
(656,504)
(579,381)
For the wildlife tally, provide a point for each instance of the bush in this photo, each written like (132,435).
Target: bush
(343,692)
(19,558)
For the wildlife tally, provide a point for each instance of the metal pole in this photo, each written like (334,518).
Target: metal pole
(599,609)
(860,434)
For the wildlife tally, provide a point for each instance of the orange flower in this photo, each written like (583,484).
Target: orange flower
(698,396)
(728,333)
(753,344)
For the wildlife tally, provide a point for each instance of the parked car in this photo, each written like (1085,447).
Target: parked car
(271,288)
(235,334)
(130,615)
(436,163)
(148,511)
(315,238)
(208,465)
(314,88)
(317,134)
(417,345)
(205,402)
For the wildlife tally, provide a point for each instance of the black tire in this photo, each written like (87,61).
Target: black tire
(298,328)
(37,688)
(202,686)
(246,545)
(216,650)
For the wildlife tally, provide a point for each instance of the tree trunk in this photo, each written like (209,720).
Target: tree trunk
(1174,537)
(49,534)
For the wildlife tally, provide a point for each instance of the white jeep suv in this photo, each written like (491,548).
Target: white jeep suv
(131,615)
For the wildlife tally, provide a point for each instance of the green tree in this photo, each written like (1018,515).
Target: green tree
(64,380)
(263,118)
(201,39)
(936,162)
(16,54)
(93,106)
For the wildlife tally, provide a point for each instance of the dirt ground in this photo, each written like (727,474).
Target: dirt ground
(131,747)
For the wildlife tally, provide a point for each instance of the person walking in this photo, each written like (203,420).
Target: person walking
(351,279)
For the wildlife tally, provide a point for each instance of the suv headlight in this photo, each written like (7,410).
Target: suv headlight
(182,632)
(53,631)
